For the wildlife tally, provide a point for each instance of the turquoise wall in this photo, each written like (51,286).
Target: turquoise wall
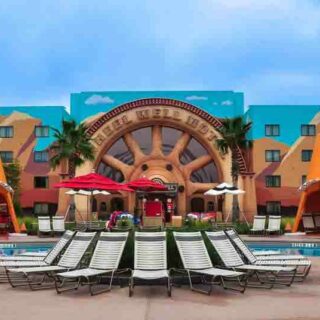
(218,103)
(49,115)
(289,117)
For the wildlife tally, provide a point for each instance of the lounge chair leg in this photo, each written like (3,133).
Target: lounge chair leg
(195,289)
(59,287)
(169,287)
(131,285)
(93,293)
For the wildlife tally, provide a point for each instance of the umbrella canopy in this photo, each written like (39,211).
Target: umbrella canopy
(87,193)
(223,188)
(92,181)
(145,184)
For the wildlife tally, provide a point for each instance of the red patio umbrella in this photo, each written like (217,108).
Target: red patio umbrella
(145,184)
(92,181)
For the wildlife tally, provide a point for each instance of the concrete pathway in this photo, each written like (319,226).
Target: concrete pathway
(299,302)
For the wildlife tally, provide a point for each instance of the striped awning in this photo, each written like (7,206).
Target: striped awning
(6,186)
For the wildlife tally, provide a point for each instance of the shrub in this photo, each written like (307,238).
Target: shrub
(285,220)
(30,222)
(124,223)
(174,260)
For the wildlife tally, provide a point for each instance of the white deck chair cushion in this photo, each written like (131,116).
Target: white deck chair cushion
(193,252)
(106,256)
(195,256)
(225,249)
(150,250)
(44,224)
(259,223)
(58,224)
(274,223)
(75,251)
(308,222)
(38,261)
(150,274)
(241,246)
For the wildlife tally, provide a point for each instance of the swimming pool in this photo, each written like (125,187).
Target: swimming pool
(10,249)
(309,249)
(306,249)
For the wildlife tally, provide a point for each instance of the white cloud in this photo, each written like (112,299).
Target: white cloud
(98,99)
(227,103)
(193,98)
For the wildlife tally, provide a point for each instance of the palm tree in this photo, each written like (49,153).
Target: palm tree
(234,136)
(72,144)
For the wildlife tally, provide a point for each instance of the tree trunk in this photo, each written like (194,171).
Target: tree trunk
(71,168)
(235,203)
(235,200)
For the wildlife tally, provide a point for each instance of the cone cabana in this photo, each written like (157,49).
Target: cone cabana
(6,195)
(310,196)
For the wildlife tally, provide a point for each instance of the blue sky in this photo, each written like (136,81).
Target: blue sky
(269,49)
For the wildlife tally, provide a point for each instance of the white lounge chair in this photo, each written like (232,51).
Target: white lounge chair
(58,224)
(196,262)
(13,261)
(33,254)
(150,260)
(105,261)
(44,226)
(316,219)
(266,276)
(259,223)
(70,260)
(281,260)
(274,225)
(308,223)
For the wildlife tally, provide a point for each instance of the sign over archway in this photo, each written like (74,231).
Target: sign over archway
(119,125)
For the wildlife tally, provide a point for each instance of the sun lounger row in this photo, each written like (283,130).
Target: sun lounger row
(44,225)
(311,222)
(259,225)
(240,267)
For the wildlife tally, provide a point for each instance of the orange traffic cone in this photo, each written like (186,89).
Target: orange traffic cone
(288,227)
(23,227)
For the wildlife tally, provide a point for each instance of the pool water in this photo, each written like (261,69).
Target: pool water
(11,249)
(305,249)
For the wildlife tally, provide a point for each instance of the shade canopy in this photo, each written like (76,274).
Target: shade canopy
(145,184)
(223,188)
(87,193)
(93,181)
(310,194)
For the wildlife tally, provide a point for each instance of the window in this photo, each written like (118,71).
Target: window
(6,131)
(273,181)
(272,155)
(272,130)
(273,207)
(6,156)
(41,208)
(41,156)
(41,182)
(41,131)
(304,179)
(308,130)
(306,155)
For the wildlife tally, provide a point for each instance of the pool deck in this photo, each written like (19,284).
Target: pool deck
(299,302)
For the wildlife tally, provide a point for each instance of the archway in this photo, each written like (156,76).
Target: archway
(161,139)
